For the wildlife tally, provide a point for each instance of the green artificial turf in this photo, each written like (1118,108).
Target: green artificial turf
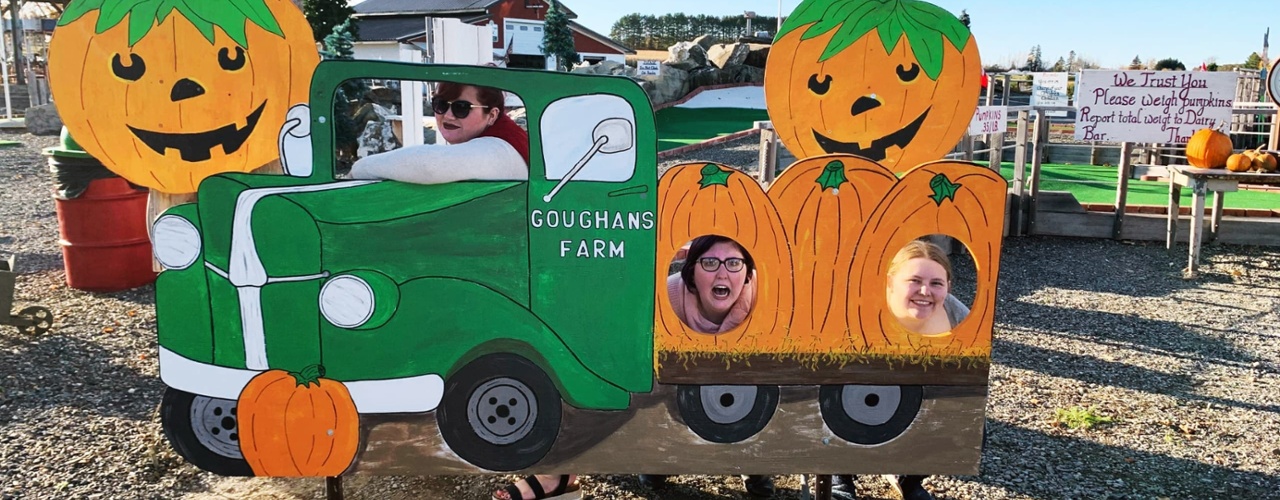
(9,144)
(1097,184)
(683,126)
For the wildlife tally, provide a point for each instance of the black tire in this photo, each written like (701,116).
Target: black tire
(726,413)
(40,319)
(869,414)
(203,431)
(500,412)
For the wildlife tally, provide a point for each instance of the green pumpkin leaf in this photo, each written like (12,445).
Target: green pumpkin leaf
(77,9)
(204,15)
(832,176)
(258,13)
(943,188)
(712,175)
(141,19)
(112,13)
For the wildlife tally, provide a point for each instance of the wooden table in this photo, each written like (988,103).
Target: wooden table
(1203,181)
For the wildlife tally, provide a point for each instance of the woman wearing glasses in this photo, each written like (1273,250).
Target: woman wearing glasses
(484,143)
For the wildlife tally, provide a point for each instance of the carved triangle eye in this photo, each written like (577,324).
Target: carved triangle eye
(822,87)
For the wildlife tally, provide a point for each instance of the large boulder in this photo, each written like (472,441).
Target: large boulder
(672,84)
(378,135)
(728,54)
(686,56)
(758,55)
(710,75)
(43,120)
(745,74)
(705,41)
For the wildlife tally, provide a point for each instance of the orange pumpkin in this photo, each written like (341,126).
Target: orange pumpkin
(823,203)
(704,198)
(167,96)
(958,199)
(1240,162)
(1208,148)
(896,82)
(298,424)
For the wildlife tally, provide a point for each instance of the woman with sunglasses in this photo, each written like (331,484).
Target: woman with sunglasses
(484,143)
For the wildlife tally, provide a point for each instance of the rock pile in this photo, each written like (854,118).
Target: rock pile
(693,64)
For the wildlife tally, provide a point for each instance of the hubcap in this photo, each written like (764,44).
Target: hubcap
(726,404)
(870,404)
(214,423)
(502,411)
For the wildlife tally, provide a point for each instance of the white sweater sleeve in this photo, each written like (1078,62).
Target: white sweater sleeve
(482,158)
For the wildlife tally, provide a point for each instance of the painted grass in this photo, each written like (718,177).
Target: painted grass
(1097,184)
(683,126)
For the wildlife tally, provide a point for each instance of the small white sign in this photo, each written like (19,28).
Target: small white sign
(989,120)
(1049,89)
(1152,106)
(648,67)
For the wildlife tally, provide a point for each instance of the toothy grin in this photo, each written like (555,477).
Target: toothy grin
(877,150)
(197,146)
(720,291)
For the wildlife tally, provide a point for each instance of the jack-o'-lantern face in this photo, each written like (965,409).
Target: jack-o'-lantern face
(167,96)
(895,82)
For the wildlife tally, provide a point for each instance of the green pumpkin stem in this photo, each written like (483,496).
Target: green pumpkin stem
(309,375)
(943,188)
(832,176)
(713,175)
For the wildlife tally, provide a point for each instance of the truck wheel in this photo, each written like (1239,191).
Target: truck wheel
(203,431)
(726,413)
(500,412)
(869,414)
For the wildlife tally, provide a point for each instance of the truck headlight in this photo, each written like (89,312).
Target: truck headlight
(359,299)
(175,242)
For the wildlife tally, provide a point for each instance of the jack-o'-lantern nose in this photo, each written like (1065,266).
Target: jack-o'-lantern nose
(185,89)
(863,105)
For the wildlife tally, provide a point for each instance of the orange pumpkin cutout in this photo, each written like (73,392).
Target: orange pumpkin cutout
(961,200)
(297,424)
(824,202)
(896,82)
(705,198)
(168,93)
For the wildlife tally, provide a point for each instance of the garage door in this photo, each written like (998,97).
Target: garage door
(524,37)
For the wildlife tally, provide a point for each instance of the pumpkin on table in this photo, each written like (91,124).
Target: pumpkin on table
(298,424)
(1208,148)
(896,82)
(167,92)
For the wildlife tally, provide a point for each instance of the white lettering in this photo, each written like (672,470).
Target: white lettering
(564,247)
(585,217)
(535,218)
(553,219)
(583,251)
(633,220)
(599,248)
(647,217)
(602,220)
(618,250)
(617,221)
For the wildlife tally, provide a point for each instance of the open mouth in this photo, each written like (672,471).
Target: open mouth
(720,292)
(876,151)
(197,146)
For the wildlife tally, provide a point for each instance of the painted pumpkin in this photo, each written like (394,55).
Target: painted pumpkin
(705,198)
(297,424)
(166,93)
(1208,148)
(823,203)
(895,82)
(961,200)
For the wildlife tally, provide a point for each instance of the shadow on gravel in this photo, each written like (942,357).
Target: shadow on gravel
(1093,470)
(1101,372)
(52,371)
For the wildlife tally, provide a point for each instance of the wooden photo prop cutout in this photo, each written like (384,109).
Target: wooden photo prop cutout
(168,92)
(896,82)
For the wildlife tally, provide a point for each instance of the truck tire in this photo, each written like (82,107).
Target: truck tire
(726,413)
(500,412)
(203,431)
(869,414)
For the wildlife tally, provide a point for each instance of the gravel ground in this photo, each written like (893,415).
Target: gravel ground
(1187,371)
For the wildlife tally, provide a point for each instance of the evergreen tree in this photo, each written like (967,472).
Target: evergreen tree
(339,45)
(1034,61)
(325,15)
(1254,61)
(557,38)
(1136,64)
(964,18)
(1061,65)
(1169,64)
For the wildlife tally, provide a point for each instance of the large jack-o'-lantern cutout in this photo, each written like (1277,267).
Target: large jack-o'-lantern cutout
(894,81)
(167,92)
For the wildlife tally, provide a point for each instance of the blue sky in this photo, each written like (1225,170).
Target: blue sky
(1109,33)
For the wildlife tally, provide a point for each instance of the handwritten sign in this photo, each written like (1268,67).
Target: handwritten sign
(989,120)
(1049,89)
(1152,106)
(648,67)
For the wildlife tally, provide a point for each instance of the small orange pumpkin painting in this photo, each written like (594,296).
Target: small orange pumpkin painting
(168,92)
(893,81)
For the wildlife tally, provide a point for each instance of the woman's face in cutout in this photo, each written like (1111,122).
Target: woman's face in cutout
(718,290)
(917,289)
(459,130)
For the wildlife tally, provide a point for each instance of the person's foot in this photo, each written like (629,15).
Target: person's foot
(910,487)
(653,481)
(758,486)
(842,487)
(548,486)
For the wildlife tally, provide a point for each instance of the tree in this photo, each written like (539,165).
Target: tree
(1061,65)
(1254,61)
(1072,62)
(1034,61)
(1136,64)
(557,38)
(325,15)
(339,45)
(1169,64)
(964,18)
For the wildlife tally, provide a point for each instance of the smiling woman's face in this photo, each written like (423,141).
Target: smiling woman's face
(719,290)
(459,130)
(917,290)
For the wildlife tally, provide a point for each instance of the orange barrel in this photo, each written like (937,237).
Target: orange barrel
(102,221)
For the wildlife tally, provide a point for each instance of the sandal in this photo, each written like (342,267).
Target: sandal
(563,490)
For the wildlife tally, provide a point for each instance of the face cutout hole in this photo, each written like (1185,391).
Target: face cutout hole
(930,284)
(712,284)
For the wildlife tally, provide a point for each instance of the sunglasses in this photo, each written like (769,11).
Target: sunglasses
(460,108)
(712,264)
